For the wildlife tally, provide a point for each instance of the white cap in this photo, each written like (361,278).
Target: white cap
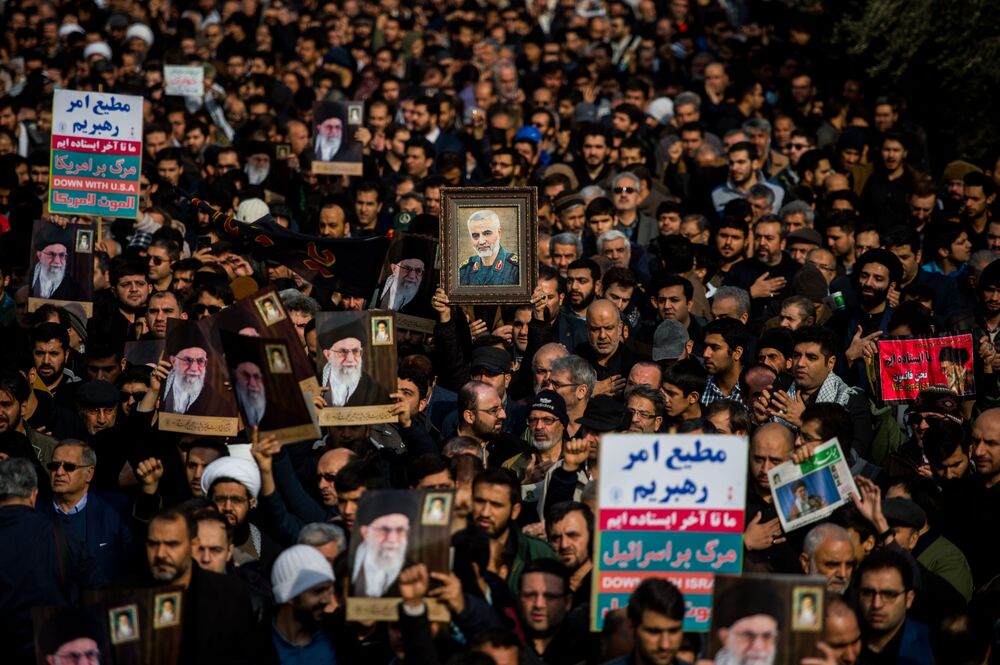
(661,108)
(298,569)
(66,29)
(97,48)
(251,210)
(140,31)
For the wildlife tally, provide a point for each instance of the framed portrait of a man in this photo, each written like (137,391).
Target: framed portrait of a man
(61,265)
(356,371)
(395,529)
(488,237)
(262,314)
(410,274)
(335,150)
(266,391)
(194,398)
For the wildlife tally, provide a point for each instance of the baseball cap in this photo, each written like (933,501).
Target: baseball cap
(670,340)
(491,360)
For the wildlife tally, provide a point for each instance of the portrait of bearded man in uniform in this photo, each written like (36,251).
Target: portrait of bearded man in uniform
(492,264)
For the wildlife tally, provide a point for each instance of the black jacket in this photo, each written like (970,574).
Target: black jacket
(218,621)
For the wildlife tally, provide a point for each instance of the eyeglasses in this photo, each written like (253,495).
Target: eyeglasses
(127,396)
(54,255)
(385,531)
(200,362)
(343,353)
(624,190)
(157,260)
(749,636)
(888,595)
(409,270)
(495,411)
(69,466)
(645,415)
(211,309)
(546,421)
(88,656)
(554,384)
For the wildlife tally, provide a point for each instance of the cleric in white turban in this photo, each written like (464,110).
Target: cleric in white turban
(237,469)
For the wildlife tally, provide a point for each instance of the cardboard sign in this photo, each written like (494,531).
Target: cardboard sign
(184,81)
(96,154)
(669,506)
(907,366)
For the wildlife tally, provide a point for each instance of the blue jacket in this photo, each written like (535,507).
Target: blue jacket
(108,538)
(915,648)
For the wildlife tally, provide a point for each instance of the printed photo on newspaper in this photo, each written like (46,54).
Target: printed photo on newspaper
(808,492)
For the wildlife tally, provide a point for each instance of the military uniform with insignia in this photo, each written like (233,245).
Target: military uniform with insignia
(502,272)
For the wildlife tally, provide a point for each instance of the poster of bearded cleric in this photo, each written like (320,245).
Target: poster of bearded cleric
(194,398)
(262,314)
(488,237)
(409,277)
(356,367)
(61,266)
(335,150)
(260,372)
(395,529)
(772,619)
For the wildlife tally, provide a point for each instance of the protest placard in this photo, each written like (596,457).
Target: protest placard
(61,265)
(96,154)
(669,506)
(184,80)
(808,492)
(907,366)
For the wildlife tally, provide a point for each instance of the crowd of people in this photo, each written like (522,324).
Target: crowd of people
(724,232)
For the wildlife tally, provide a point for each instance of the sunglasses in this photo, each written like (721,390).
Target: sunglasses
(624,190)
(137,396)
(157,260)
(211,309)
(69,466)
(328,477)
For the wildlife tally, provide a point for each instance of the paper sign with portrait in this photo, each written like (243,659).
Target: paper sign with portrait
(262,314)
(395,529)
(266,391)
(194,398)
(908,365)
(488,238)
(356,366)
(61,266)
(782,613)
(409,277)
(335,150)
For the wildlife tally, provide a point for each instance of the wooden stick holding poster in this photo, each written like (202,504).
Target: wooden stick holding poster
(907,366)
(356,367)
(669,506)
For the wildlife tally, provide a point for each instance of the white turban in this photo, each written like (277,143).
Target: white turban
(243,471)
(140,31)
(97,48)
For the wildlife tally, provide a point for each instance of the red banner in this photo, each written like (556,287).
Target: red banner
(907,366)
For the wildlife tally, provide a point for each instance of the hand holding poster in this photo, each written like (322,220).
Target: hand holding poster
(907,366)
(669,506)
(395,529)
(808,492)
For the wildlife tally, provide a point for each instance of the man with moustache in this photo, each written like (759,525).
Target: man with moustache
(764,545)
(582,286)
(187,390)
(569,528)
(493,264)
(233,484)
(344,377)
(875,274)
(750,607)
(49,278)
(547,421)
(768,275)
(384,526)
(218,618)
(829,551)
(250,392)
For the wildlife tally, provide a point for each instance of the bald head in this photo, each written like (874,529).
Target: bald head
(985,451)
(604,328)
(770,446)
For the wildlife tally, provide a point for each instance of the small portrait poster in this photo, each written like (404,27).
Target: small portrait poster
(266,390)
(395,529)
(407,282)
(167,610)
(488,238)
(782,613)
(908,365)
(335,150)
(262,314)
(124,624)
(381,330)
(808,492)
(61,265)
(194,398)
(356,373)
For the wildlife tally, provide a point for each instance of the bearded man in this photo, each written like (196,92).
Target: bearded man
(344,378)
(402,286)
(330,145)
(187,390)
(250,392)
(49,278)
(384,525)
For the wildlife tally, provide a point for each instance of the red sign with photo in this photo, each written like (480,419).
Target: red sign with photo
(907,366)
